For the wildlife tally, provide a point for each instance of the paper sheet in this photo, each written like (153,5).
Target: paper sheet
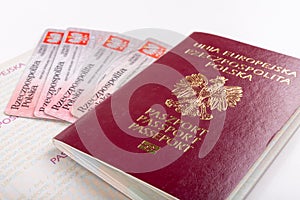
(30,166)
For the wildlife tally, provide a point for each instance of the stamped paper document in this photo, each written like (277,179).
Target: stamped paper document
(91,72)
(27,92)
(30,166)
(121,72)
(74,49)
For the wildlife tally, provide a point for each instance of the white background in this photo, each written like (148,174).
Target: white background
(270,24)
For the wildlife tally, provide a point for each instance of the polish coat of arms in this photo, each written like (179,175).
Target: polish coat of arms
(80,38)
(116,43)
(198,96)
(53,38)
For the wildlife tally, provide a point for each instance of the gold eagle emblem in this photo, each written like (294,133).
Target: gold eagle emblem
(198,96)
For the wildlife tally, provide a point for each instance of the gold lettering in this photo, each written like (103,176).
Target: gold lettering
(156,124)
(157,136)
(174,137)
(196,140)
(233,64)
(178,121)
(147,132)
(169,142)
(187,136)
(288,72)
(170,129)
(258,72)
(133,126)
(258,62)
(142,117)
(180,146)
(287,81)
(171,119)
(207,47)
(195,129)
(200,46)
(178,133)
(203,131)
(155,114)
(186,125)
(228,53)
(188,148)
(149,110)
(266,65)
(164,117)
(164,137)
(249,69)
(276,68)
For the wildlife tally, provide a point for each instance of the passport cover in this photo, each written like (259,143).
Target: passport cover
(193,123)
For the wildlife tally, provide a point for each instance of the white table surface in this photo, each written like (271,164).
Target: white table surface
(270,24)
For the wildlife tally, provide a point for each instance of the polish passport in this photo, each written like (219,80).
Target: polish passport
(202,122)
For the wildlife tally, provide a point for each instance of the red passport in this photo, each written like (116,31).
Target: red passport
(202,122)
